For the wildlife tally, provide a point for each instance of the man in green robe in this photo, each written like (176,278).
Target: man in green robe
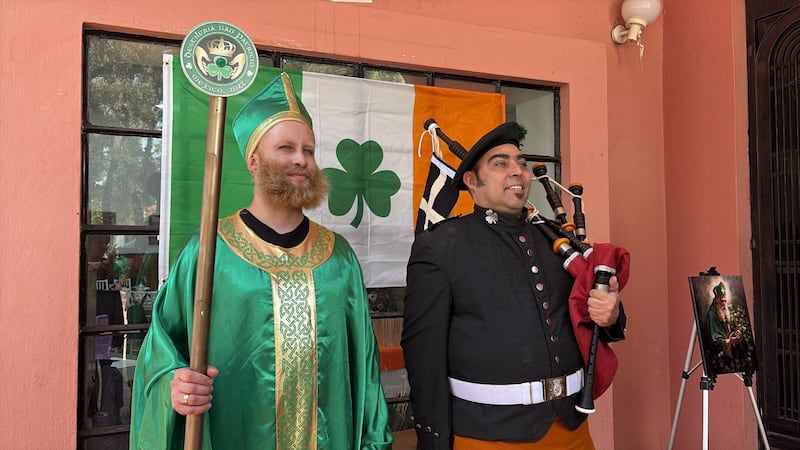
(730,346)
(293,361)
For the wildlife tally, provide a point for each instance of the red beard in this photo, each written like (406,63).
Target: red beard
(275,184)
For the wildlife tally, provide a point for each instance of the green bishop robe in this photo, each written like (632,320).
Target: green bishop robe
(291,336)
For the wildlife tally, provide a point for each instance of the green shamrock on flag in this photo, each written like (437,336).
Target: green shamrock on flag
(359,182)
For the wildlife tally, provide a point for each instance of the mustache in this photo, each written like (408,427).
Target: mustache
(279,175)
(297,171)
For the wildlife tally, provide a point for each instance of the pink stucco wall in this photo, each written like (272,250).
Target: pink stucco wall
(707,185)
(660,143)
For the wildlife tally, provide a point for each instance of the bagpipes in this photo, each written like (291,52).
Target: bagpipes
(592,266)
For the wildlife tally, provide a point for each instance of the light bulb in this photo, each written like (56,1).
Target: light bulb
(638,14)
(641,11)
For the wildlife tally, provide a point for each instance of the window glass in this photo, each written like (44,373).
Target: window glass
(265,61)
(302,64)
(117,440)
(123,83)
(121,284)
(109,361)
(395,76)
(122,279)
(387,302)
(467,85)
(124,185)
(533,109)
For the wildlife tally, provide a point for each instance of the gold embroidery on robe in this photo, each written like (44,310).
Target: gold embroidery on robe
(294,308)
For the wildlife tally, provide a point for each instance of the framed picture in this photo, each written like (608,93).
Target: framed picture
(723,324)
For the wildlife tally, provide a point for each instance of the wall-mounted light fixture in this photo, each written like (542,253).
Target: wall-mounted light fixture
(638,14)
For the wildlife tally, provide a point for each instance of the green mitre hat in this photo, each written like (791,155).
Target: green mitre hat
(275,103)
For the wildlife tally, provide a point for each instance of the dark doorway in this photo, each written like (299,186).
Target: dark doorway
(773,42)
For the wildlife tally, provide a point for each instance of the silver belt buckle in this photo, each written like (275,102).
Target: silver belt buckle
(554,388)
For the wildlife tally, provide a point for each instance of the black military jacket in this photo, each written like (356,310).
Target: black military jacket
(486,303)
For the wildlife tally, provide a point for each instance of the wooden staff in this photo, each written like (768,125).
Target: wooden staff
(209,214)
(208,49)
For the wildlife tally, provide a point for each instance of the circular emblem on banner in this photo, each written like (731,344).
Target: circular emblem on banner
(219,59)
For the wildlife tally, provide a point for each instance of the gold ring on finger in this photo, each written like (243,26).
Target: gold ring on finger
(185,399)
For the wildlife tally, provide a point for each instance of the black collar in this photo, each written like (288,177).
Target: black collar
(263,231)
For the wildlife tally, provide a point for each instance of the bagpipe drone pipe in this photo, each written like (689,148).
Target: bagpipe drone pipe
(592,266)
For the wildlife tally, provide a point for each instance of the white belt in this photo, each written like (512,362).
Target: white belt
(518,394)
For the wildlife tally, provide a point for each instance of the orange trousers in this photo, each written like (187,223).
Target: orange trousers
(559,437)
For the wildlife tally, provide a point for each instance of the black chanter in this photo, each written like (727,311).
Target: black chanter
(568,241)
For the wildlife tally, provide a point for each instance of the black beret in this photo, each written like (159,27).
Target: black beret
(507,133)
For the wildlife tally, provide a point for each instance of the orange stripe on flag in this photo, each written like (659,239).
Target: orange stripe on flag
(464,116)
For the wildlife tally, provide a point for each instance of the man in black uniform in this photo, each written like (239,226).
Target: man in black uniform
(488,344)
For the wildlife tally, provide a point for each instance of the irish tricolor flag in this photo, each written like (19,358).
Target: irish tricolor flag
(368,135)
